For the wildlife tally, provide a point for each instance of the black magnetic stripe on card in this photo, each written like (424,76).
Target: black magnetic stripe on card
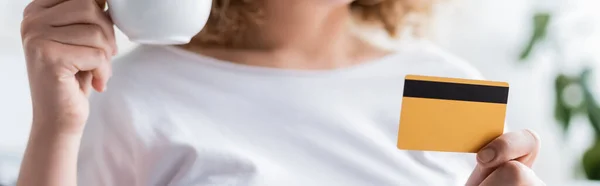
(455,91)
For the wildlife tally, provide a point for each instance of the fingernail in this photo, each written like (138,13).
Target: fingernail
(486,155)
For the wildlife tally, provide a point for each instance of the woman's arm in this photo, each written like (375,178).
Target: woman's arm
(68,45)
(50,158)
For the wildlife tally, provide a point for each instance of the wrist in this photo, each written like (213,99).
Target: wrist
(42,135)
(56,128)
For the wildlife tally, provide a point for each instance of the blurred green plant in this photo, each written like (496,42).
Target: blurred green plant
(573,96)
(540,22)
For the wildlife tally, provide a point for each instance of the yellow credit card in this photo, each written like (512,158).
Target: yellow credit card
(450,114)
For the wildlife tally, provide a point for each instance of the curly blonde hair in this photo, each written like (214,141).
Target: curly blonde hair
(230,19)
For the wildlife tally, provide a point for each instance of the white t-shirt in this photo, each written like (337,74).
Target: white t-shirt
(172,117)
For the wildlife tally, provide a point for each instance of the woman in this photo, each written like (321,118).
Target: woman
(271,92)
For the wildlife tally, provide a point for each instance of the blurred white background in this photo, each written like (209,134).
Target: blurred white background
(488,33)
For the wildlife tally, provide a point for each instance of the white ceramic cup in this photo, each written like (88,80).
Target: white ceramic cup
(160,22)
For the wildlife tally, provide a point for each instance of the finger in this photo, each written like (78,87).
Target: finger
(522,146)
(512,173)
(111,35)
(31,8)
(81,35)
(73,12)
(80,58)
(79,12)
(84,79)
(101,76)
(51,3)
(478,175)
(47,3)
(92,61)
